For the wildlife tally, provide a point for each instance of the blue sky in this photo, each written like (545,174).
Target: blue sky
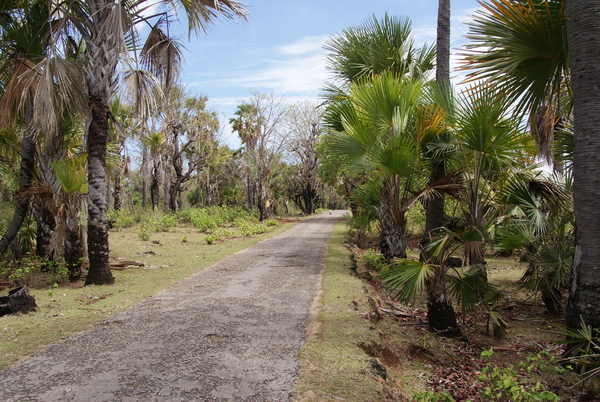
(279,49)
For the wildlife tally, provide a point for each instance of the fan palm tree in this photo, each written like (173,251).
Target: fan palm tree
(539,221)
(365,51)
(384,126)
(583,36)
(71,174)
(519,48)
(434,208)
(24,28)
(376,46)
(489,146)
(247,127)
(107,28)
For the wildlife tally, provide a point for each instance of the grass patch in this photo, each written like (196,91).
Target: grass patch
(333,366)
(62,311)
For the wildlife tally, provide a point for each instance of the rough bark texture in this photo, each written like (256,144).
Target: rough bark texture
(25,177)
(442,55)
(144,171)
(155,187)
(440,313)
(74,253)
(117,200)
(99,271)
(583,33)
(392,234)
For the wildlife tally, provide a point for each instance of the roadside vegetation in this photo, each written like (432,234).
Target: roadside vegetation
(142,267)
(369,346)
(474,211)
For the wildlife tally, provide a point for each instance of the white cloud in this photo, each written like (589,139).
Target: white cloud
(297,69)
(307,44)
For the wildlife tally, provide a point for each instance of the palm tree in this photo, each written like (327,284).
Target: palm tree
(434,208)
(247,127)
(71,175)
(518,48)
(489,147)
(385,125)
(365,51)
(374,47)
(583,36)
(24,29)
(539,221)
(155,144)
(106,28)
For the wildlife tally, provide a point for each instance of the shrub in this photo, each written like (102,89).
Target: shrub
(122,219)
(375,261)
(165,223)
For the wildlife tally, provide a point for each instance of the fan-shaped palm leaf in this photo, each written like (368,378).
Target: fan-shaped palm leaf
(406,278)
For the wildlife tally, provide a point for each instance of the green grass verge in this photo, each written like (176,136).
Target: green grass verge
(169,258)
(333,366)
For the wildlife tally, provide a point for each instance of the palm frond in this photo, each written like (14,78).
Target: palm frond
(144,89)
(162,56)
(202,13)
(519,47)
(406,278)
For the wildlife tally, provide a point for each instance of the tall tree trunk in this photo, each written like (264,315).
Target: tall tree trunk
(74,253)
(434,208)
(155,186)
(117,200)
(250,193)
(144,170)
(583,35)
(25,178)
(46,224)
(263,213)
(99,270)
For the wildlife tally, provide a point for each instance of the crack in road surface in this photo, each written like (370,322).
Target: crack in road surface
(229,333)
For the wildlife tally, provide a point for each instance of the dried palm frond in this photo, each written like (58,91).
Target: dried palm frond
(162,55)
(144,89)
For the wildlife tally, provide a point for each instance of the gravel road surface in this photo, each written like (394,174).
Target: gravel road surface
(229,333)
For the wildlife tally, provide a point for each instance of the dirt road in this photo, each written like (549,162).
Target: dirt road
(229,333)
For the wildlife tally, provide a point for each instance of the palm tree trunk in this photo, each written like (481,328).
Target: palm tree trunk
(25,178)
(392,234)
(440,313)
(250,193)
(434,208)
(74,254)
(117,200)
(99,270)
(144,170)
(155,187)
(583,35)
(442,53)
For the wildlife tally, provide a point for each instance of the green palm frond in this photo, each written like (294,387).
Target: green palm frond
(514,235)
(406,278)
(71,174)
(520,47)
(377,46)
(499,326)
(466,288)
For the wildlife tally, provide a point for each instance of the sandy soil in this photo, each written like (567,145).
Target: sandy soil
(229,333)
